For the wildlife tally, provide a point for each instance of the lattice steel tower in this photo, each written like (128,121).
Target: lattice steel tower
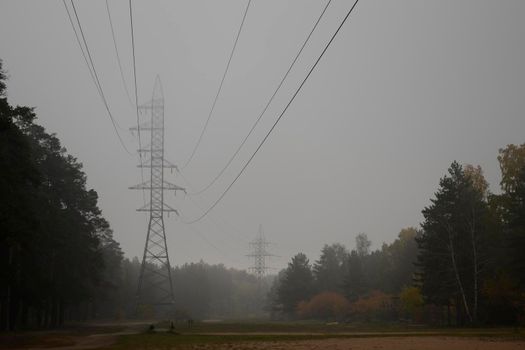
(259,253)
(155,286)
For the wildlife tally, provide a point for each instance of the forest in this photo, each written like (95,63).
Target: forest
(464,264)
(58,259)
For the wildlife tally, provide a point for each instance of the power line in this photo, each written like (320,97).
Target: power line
(220,87)
(95,75)
(219,226)
(206,240)
(80,45)
(117,54)
(278,119)
(219,174)
(136,94)
(192,227)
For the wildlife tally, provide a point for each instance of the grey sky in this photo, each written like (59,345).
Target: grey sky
(406,88)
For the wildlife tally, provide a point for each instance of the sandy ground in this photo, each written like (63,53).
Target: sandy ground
(387,343)
(93,341)
(91,337)
(96,341)
(366,341)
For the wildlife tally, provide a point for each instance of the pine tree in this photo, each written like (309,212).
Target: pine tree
(296,284)
(355,282)
(329,269)
(452,244)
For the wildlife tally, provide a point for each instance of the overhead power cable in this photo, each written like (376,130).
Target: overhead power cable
(278,119)
(81,47)
(92,69)
(213,220)
(223,254)
(206,240)
(117,54)
(230,160)
(136,96)
(220,87)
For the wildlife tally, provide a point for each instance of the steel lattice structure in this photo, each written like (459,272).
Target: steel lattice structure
(259,253)
(155,285)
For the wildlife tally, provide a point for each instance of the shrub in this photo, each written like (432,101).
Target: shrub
(411,302)
(325,305)
(375,305)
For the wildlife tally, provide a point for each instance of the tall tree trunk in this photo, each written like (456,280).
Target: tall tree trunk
(9,290)
(2,314)
(61,313)
(456,273)
(448,314)
(39,317)
(54,312)
(44,314)
(475,257)
(23,314)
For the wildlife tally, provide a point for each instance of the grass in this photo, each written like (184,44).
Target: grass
(202,335)
(240,334)
(24,341)
(280,327)
(316,327)
(66,336)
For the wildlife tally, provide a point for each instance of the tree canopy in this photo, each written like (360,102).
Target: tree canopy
(54,240)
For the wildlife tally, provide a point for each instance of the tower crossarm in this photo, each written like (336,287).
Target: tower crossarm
(166,186)
(262,253)
(166,165)
(165,208)
(141,126)
(151,104)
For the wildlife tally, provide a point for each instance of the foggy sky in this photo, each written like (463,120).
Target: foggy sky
(406,88)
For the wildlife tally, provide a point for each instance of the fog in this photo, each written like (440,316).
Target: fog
(406,88)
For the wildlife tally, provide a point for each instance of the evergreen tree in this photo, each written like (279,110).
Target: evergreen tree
(329,269)
(296,284)
(452,244)
(362,244)
(54,239)
(355,282)
(400,258)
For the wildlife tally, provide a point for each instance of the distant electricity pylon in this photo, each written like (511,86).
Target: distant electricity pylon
(155,286)
(259,253)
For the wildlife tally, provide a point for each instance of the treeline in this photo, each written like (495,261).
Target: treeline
(54,241)
(341,278)
(58,259)
(201,291)
(464,266)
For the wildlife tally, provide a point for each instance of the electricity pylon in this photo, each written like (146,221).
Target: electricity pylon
(155,286)
(259,253)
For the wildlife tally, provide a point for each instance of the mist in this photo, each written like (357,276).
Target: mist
(262,161)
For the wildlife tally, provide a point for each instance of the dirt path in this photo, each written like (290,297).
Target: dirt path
(86,336)
(93,341)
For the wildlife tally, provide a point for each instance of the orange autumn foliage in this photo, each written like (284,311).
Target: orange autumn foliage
(374,303)
(325,305)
